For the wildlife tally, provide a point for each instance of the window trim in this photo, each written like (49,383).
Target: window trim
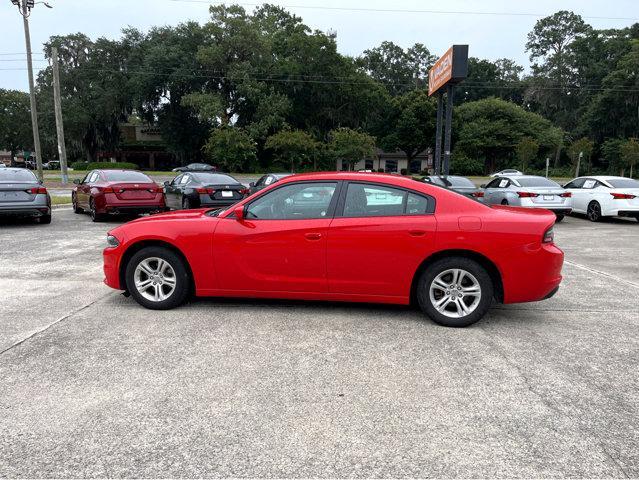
(339,213)
(330,212)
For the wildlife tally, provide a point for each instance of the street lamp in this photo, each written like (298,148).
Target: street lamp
(24,7)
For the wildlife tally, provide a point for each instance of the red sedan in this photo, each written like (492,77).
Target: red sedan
(343,237)
(104,192)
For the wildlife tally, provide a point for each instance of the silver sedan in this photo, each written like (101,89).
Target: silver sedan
(528,191)
(22,195)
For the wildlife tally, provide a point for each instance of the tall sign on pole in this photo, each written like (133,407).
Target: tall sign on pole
(449,70)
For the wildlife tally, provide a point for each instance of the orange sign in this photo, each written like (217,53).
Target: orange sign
(440,74)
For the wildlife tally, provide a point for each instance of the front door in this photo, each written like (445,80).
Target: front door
(280,245)
(378,240)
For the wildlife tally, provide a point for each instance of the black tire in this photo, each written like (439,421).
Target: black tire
(45,219)
(594,211)
(95,216)
(504,202)
(439,267)
(182,278)
(74,202)
(187,203)
(560,217)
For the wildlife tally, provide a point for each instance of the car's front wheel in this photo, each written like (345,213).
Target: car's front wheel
(157,278)
(74,202)
(455,291)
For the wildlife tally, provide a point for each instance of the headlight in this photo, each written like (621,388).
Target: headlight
(112,241)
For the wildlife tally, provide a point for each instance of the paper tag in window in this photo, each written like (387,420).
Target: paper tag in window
(589,184)
(503,183)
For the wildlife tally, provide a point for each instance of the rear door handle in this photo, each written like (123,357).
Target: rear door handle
(416,233)
(313,236)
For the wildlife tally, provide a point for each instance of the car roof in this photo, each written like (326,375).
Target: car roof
(603,177)
(388,178)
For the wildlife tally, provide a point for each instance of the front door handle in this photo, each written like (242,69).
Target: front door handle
(416,233)
(313,236)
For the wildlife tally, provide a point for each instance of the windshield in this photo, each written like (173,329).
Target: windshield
(17,176)
(624,183)
(200,166)
(125,176)
(537,182)
(215,178)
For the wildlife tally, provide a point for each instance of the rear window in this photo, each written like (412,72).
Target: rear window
(17,176)
(126,176)
(453,182)
(624,183)
(215,178)
(536,182)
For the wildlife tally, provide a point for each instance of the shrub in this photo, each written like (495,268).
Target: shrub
(463,165)
(110,166)
(79,165)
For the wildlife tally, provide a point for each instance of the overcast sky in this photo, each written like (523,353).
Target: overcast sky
(489,36)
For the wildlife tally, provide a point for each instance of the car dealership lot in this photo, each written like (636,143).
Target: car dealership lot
(254,388)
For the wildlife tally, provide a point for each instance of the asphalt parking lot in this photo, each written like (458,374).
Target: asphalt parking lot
(92,385)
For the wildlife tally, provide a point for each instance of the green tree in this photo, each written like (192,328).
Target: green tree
(351,146)
(501,78)
(409,125)
(630,154)
(490,129)
(611,153)
(527,149)
(232,149)
(294,148)
(583,147)
(15,121)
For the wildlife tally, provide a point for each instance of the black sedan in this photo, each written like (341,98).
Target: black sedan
(196,167)
(203,189)
(266,180)
(458,184)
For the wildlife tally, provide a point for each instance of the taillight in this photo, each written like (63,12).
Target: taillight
(549,236)
(245,191)
(566,195)
(37,190)
(622,196)
(210,191)
(156,190)
(477,194)
(527,194)
(106,189)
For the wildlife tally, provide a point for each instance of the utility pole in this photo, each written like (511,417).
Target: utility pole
(581,155)
(24,7)
(62,149)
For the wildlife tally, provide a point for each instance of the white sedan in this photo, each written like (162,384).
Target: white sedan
(603,196)
(506,173)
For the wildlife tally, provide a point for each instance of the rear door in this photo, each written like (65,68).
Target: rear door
(281,244)
(377,240)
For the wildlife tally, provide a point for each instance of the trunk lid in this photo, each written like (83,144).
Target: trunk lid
(135,191)
(17,192)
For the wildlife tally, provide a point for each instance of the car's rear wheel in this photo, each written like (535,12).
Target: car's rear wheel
(157,278)
(45,219)
(187,204)
(74,202)
(455,291)
(594,211)
(504,202)
(95,216)
(560,217)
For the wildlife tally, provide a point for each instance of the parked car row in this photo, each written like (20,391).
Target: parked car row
(594,196)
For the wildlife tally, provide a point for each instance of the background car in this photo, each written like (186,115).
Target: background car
(359,237)
(506,172)
(458,184)
(266,180)
(51,165)
(114,192)
(21,194)
(529,191)
(196,167)
(203,189)
(604,196)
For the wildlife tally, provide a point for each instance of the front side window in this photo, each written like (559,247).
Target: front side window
(578,183)
(494,183)
(294,202)
(363,200)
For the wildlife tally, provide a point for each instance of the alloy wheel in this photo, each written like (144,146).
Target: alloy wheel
(455,293)
(155,279)
(594,212)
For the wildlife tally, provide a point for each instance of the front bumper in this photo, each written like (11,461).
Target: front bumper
(111,266)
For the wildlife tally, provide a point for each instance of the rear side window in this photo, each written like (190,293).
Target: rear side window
(364,200)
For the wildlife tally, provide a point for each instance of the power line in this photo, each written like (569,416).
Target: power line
(398,10)
(463,86)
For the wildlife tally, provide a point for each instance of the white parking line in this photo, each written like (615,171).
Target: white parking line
(603,274)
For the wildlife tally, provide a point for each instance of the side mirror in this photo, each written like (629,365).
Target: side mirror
(239,213)
(167,183)
(483,185)
(76,181)
(252,184)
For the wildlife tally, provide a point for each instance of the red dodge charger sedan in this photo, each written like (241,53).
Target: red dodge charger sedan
(104,192)
(343,237)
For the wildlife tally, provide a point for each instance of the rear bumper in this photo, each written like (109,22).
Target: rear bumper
(131,209)
(628,213)
(561,211)
(25,211)
(218,203)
